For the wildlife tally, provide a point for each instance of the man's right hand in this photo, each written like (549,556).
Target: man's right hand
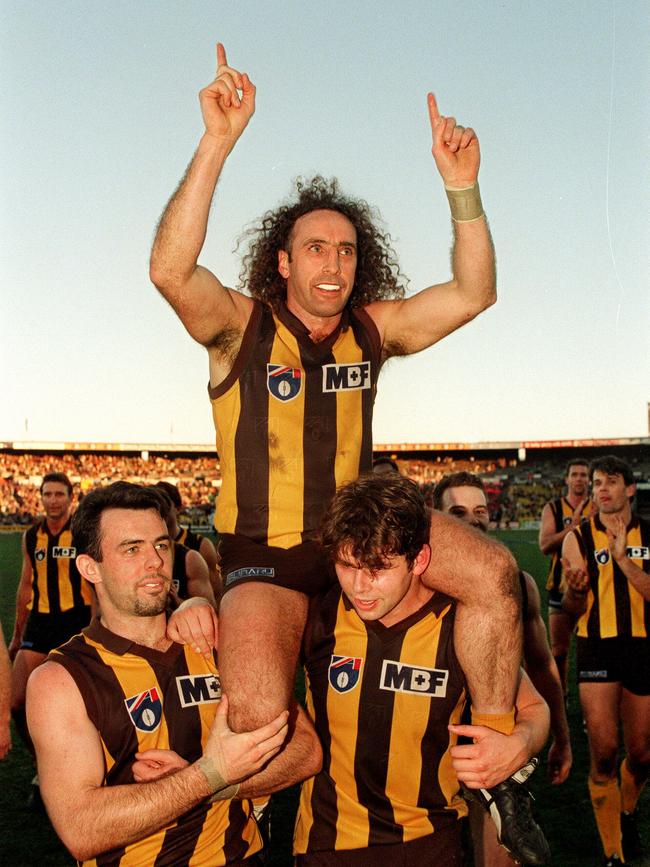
(195,623)
(225,112)
(238,756)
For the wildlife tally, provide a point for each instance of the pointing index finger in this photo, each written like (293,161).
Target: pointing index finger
(221,55)
(434,114)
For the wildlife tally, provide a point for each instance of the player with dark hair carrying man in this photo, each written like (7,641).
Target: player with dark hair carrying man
(293,375)
(386,691)
(606,563)
(53,601)
(122,691)
(559,517)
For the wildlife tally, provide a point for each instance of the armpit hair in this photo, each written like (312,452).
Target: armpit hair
(226,343)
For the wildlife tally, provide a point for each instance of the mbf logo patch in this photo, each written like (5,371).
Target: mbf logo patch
(66,553)
(283,382)
(344,672)
(602,556)
(145,709)
(397,677)
(40,554)
(198,689)
(638,552)
(346,377)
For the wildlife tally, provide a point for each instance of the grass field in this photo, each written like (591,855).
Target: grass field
(565,812)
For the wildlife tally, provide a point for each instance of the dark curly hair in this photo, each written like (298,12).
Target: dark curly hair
(377,276)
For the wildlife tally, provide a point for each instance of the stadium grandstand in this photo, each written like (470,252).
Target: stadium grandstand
(519,476)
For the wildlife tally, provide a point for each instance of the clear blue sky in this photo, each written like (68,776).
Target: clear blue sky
(100,116)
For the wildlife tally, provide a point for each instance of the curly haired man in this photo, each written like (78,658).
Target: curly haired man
(293,367)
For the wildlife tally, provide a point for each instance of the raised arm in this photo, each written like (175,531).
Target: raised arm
(617,535)
(91,818)
(412,324)
(574,571)
(206,308)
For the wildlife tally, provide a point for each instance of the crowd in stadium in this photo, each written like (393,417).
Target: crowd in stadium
(516,493)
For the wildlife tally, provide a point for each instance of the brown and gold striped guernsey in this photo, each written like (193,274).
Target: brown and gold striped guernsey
(294,423)
(614,606)
(381,699)
(138,699)
(563,514)
(57,585)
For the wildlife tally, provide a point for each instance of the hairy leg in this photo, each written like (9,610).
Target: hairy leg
(482,575)
(260,631)
(25,662)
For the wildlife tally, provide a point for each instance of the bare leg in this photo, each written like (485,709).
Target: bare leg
(260,631)
(487,850)
(560,627)
(25,662)
(482,575)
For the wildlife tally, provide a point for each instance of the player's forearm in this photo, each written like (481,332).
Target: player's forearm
(532,727)
(109,817)
(183,225)
(549,543)
(300,759)
(473,264)
(546,681)
(574,601)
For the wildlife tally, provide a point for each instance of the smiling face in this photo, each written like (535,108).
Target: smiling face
(319,268)
(389,594)
(467,503)
(134,575)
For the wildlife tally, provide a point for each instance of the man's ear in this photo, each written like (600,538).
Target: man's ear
(422,560)
(88,568)
(283,263)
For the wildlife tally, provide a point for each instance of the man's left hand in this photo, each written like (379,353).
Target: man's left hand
(491,759)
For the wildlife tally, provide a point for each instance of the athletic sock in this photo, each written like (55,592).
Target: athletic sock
(499,722)
(630,790)
(606,801)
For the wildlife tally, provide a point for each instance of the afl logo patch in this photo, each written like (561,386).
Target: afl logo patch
(602,556)
(145,709)
(344,672)
(40,554)
(567,520)
(284,383)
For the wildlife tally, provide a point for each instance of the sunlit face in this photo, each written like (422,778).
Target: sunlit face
(467,503)
(577,480)
(320,267)
(135,571)
(610,492)
(388,595)
(56,500)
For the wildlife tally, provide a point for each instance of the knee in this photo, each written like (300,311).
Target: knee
(638,761)
(604,766)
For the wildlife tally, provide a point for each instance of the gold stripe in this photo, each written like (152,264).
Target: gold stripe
(352,826)
(447,779)
(286,456)
(305,818)
(349,414)
(408,728)
(637,603)
(225,412)
(42,540)
(66,599)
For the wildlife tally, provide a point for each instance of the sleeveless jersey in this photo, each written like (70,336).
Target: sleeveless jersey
(381,699)
(189,539)
(614,606)
(57,585)
(563,515)
(139,699)
(294,423)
